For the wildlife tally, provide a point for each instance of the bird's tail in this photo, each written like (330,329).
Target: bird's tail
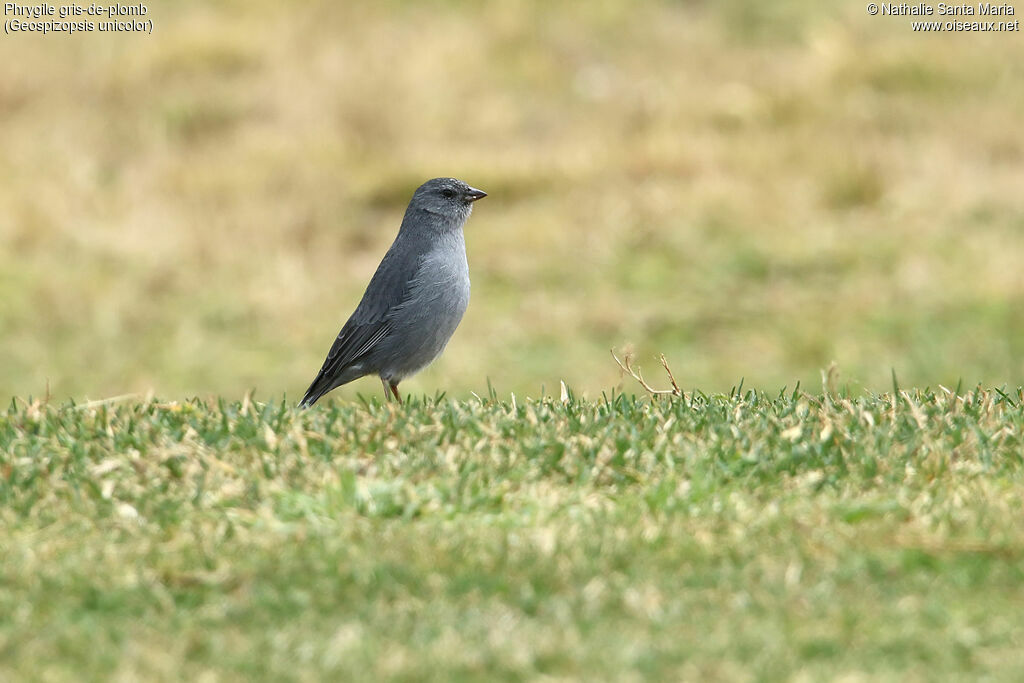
(327,379)
(310,398)
(317,389)
(330,377)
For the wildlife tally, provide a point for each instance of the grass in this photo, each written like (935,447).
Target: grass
(728,537)
(754,190)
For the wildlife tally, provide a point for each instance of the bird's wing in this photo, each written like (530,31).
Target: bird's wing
(389,287)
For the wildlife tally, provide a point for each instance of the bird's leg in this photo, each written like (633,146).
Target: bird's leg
(394,390)
(384,383)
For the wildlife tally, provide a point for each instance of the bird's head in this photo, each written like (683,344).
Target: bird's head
(449,199)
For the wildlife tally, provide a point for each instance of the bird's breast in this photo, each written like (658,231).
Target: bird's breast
(444,276)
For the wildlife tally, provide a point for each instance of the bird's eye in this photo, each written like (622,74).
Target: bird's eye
(447,194)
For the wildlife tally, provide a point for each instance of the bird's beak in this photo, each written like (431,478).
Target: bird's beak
(475,194)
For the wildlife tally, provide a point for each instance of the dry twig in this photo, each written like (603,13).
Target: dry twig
(627,366)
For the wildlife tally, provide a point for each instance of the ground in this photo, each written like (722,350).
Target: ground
(803,206)
(742,537)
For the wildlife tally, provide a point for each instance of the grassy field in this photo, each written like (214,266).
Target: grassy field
(754,189)
(757,190)
(732,537)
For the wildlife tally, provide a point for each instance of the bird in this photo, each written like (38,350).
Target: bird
(415,299)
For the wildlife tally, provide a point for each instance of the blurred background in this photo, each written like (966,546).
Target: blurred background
(753,189)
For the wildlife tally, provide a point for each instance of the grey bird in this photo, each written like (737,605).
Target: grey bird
(414,301)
